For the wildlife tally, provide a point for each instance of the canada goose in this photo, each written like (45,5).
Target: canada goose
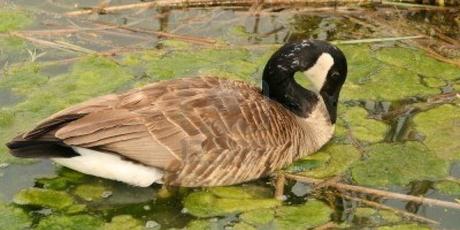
(201,131)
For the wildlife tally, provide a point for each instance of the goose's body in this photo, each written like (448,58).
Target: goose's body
(201,131)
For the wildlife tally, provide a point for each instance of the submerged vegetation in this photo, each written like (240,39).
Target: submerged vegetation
(398,122)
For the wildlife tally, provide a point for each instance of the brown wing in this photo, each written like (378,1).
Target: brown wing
(194,127)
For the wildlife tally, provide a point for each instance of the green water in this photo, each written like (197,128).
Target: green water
(396,129)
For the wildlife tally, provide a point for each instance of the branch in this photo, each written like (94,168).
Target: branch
(376,192)
(382,206)
(210,3)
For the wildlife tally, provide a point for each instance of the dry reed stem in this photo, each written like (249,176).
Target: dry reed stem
(385,207)
(61,45)
(328,225)
(210,3)
(280,180)
(381,193)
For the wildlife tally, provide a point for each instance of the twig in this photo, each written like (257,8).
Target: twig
(385,207)
(191,39)
(279,186)
(209,3)
(381,193)
(328,225)
(412,5)
(57,45)
(372,40)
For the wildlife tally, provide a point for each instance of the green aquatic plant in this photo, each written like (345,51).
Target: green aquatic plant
(244,192)
(360,126)
(89,77)
(258,217)
(398,164)
(123,222)
(393,73)
(418,62)
(44,198)
(77,222)
(441,128)
(334,160)
(311,214)
(373,216)
(90,192)
(13,19)
(206,204)
(450,187)
(13,218)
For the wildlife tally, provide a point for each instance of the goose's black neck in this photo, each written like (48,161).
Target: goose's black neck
(279,85)
(278,81)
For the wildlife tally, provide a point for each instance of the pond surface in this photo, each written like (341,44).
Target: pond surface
(398,126)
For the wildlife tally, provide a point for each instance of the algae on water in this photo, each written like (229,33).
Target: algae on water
(13,218)
(77,222)
(311,214)
(13,19)
(441,128)
(334,160)
(44,198)
(398,164)
(360,126)
(206,204)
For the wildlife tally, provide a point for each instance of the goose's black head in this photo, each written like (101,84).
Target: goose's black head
(324,65)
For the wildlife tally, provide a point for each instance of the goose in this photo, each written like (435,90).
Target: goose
(199,131)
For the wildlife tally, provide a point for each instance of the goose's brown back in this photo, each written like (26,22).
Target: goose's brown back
(201,131)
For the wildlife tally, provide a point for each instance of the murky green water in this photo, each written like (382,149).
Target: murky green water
(398,125)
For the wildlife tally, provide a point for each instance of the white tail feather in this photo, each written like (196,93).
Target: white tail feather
(111,166)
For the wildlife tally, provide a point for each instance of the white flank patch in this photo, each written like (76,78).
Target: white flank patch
(318,72)
(111,166)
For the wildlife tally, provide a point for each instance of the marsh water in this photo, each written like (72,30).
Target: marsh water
(398,125)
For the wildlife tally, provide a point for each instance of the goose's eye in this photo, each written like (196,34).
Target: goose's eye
(335,75)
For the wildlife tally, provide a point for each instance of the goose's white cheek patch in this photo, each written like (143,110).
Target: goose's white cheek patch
(318,72)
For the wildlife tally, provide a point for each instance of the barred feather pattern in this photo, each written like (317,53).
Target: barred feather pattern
(202,131)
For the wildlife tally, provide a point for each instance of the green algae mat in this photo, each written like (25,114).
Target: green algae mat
(398,122)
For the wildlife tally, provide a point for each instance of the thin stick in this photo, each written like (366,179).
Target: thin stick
(208,3)
(411,5)
(373,40)
(191,39)
(385,207)
(279,186)
(328,225)
(381,193)
(61,45)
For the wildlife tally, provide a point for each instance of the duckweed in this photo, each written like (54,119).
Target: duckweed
(90,192)
(123,222)
(44,198)
(335,159)
(13,19)
(77,222)
(13,218)
(390,73)
(441,128)
(398,164)
(206,204)
(258,217)
(245,192)
(361,127)
(449,187)
(418,62)
(91,76)
(311,214)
